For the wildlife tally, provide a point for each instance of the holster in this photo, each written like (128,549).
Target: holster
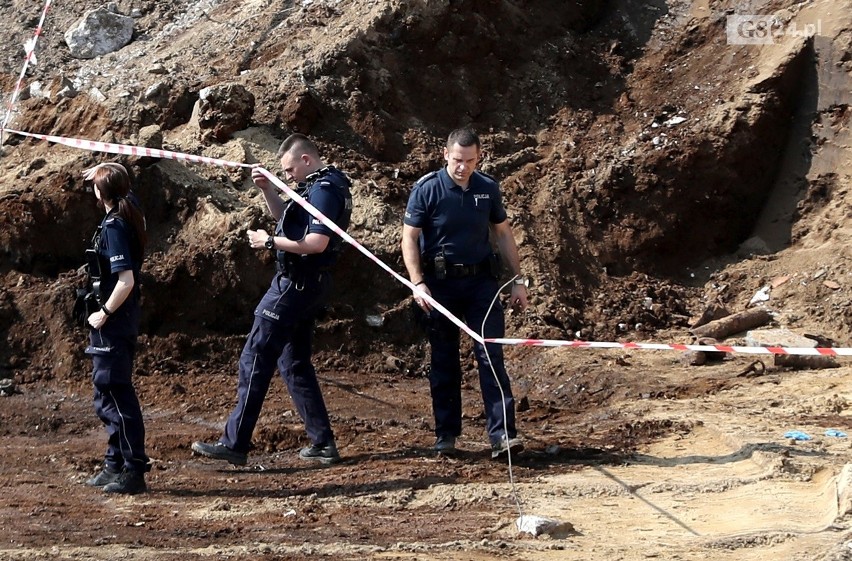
(85,304)
(88,299)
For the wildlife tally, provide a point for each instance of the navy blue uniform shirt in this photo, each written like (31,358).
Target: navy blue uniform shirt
(454,219)
(330,195)
(114,247)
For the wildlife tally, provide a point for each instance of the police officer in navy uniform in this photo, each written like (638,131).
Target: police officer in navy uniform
(118,250)
(283,327)
(448,255)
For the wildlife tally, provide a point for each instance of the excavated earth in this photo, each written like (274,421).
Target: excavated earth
(653,171)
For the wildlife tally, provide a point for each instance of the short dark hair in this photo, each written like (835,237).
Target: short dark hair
(299,143)
(463,137)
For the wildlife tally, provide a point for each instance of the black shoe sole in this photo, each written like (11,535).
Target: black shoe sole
(118,491)
(216,455)
(515,450)
(98,481)
(320,459)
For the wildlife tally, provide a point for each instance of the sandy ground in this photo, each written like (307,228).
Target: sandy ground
(711,476)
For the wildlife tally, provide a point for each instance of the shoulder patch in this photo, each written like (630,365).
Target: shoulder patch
(426,178)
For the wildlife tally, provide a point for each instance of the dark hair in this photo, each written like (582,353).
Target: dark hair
(298,143)
(463,137)
(113,182)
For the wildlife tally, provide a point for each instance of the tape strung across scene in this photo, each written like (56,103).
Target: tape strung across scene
(813,351)
(142,151)
(30,49)
(128,150)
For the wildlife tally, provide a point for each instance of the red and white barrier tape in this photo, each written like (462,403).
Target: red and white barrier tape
(812,351)
(128,150)
(351,241)
(30,49)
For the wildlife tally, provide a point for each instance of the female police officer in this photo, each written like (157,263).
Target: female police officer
(119,246)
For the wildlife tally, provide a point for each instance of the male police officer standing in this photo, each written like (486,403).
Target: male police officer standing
(446,249)
(283,327)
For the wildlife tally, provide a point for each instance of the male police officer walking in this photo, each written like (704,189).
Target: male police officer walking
(283,327)
(446,249)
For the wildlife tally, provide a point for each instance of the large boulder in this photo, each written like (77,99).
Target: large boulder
(99,32)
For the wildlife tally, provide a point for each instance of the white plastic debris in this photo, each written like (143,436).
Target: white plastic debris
(761,295)
(674,121)
(29,47)
(537,525)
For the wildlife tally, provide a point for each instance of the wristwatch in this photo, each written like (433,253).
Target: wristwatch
(270,242)
(521,281)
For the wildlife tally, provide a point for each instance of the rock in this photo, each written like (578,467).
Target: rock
(674,121)
(753,246)
(224,109)
(65,88)
(693,358)
(787,338)
(97,95)
(155,91)
(777,338)
(7,387)
(150,137)
(99,32)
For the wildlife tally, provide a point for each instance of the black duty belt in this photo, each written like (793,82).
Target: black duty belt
(458,270)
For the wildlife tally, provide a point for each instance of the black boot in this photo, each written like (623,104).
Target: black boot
(323,453)
(128,483)
(219,451)
(105,477)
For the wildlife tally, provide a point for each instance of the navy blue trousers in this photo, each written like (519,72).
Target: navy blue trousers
(116,403)
(282,335)
(468,299)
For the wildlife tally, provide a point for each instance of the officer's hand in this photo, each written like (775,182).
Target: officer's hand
(422,302)
(97,319)
(518,300)
(259,179)
(257,238)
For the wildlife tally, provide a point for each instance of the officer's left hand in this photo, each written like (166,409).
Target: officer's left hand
(97,319)
(260,179)
(422,302)
(257,238)
(518,300)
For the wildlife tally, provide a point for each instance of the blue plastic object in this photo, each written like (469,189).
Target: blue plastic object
(797,435)
(836,433)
